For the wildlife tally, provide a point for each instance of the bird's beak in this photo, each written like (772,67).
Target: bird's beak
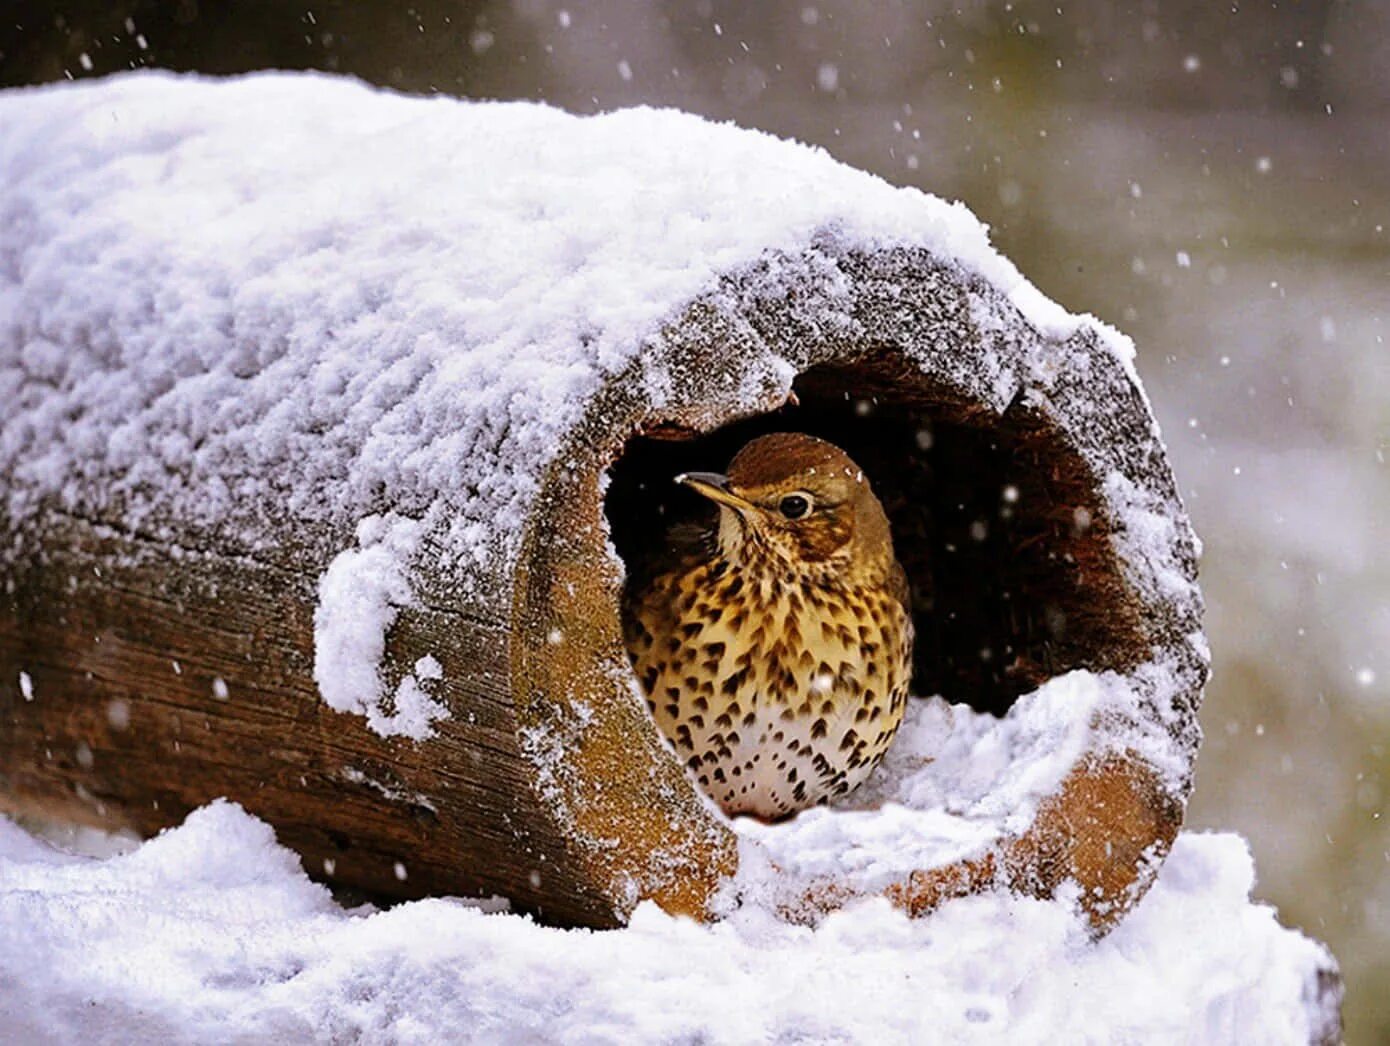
(713,486)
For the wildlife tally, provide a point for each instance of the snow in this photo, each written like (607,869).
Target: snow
(212,932)
(360,595)
(1146,535)
(953,783)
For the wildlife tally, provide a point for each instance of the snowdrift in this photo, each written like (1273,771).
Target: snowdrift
(333,418)
(212,933)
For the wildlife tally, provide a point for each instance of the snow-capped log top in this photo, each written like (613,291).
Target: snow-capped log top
(402,344)
(232,302)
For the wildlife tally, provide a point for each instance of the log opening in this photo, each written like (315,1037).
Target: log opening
(995,517)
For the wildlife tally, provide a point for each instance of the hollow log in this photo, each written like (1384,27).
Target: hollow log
(333,419)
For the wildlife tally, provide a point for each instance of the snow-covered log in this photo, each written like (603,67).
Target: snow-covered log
(331,419)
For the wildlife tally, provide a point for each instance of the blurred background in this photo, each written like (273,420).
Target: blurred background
(1211,177)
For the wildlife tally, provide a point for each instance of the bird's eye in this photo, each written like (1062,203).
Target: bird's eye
(794,506)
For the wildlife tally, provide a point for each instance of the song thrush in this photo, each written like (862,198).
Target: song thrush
(775,646)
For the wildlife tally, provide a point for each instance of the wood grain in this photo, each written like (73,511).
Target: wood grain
(123,645)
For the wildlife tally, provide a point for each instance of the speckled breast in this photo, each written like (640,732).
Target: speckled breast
(778,692)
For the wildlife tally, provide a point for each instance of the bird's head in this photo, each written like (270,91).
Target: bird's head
(798,501)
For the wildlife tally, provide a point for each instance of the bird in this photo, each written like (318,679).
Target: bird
(774,646)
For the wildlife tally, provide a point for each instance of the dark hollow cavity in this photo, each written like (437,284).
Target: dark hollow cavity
(996,520)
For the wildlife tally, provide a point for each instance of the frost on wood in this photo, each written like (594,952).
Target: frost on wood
(372,389)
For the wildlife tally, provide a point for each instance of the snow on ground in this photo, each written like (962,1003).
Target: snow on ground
(212,932)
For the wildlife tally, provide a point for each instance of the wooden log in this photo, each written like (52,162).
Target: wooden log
(165,611)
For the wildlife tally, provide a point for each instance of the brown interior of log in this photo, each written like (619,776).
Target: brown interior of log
(996,519)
